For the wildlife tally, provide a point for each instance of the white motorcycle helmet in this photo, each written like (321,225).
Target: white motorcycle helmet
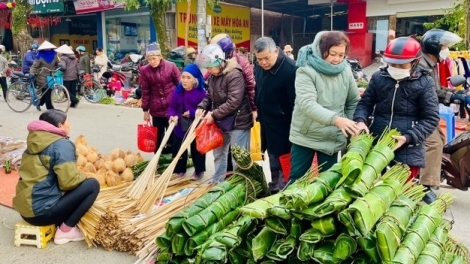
(211,56)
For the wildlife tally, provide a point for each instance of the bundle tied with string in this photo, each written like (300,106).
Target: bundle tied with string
(247,166)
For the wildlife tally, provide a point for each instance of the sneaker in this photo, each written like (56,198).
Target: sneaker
(429,197)
(198,176)
(64,237)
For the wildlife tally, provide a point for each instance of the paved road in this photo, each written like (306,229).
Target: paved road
(107,127)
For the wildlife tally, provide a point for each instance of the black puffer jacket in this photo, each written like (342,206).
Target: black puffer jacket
(411,106)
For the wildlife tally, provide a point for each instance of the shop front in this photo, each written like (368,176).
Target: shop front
(126,32)
(388,19)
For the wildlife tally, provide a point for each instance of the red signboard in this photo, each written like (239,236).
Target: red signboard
(357,20)
(91,6)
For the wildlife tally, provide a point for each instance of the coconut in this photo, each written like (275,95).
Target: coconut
(127,175)
(81,161)
(129,159)
(81,140)
(119,165)
(92,156)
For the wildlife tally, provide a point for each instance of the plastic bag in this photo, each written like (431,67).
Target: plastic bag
(178,53)
(146,137)
(255,142)
(208,137)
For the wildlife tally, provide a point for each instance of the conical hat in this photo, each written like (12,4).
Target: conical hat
(64,49)
(46,45)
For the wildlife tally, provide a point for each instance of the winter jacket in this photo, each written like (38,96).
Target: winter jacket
(443,93)
(69,66)
(410,105)
(320,99)
(183,101)
(250,84)
(84,63)
(102,61)
(157,85)
(40,74)
(28,61)
(3,66)
(227,96)
(275,96)
(48,169)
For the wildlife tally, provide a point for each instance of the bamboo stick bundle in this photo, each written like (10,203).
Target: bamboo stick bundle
(146,179)
(157,191)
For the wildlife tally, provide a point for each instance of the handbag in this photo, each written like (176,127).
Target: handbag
(186,123)
(226,123)
(96,68)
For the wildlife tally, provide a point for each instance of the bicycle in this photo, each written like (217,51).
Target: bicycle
(90,89)
(23,93)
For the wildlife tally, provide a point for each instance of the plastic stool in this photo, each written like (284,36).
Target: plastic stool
(26,234)
(449,117)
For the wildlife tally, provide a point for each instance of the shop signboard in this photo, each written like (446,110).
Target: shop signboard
(91,6)
(46,6)
(229,19)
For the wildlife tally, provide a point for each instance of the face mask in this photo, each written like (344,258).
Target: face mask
(397,73)
(444,54)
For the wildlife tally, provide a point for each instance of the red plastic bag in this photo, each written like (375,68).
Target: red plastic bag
(208,137)
(146,137)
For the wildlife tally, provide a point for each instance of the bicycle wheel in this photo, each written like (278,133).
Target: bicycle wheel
(18,97)
(60,98)
(93,92)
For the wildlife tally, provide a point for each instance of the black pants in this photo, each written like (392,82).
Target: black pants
(199,159)
(71,86)
(71,207)
(3,83)
(161,123)
(46,97)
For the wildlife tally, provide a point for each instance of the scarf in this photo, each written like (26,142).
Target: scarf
(307,55)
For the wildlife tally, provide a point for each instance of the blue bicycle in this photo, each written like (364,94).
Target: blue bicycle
(22,92)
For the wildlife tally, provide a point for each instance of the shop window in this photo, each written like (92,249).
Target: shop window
(126,33)
(379,27)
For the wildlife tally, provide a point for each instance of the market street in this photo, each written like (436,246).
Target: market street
(108,127)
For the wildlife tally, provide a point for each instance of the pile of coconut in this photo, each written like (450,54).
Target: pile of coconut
(109,170)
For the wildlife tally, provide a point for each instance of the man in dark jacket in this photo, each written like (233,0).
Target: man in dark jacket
(435,46)
(274,98)
(157,81)
(84,61)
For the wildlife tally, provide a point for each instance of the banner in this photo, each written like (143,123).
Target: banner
(229,19)
(91,6)
(46,6)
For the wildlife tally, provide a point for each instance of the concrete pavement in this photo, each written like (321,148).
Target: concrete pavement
(107,127)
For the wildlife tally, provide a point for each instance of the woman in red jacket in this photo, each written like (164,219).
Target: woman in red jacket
(157,80)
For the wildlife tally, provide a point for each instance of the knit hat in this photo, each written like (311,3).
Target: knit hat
(64,49)
(196,73)
(46,45)
(153,50)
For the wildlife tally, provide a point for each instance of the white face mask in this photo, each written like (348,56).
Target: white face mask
(397,73)
(444,54)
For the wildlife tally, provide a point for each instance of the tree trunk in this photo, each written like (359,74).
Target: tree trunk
(19,25)
(467,19)
(186,23)
(157,12)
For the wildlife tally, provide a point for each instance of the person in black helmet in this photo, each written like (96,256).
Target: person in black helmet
(435,46)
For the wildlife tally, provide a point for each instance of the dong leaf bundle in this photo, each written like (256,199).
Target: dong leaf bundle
(434,251)
(362,215)
(301,197)
(417,236)
(216,211)
(376,161)
(353,161)
(233,236)
(175,223)
(200,238)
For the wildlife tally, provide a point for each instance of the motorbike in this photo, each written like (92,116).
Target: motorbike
(357,71)
(456,158)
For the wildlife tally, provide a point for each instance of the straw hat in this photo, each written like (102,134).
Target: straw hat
(288,48)
(64,49)
(46,45)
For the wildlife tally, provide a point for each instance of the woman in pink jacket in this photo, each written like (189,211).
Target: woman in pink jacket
(157,80)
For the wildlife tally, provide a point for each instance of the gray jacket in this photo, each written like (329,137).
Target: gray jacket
(443,93)
(69,66)
(3,66)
